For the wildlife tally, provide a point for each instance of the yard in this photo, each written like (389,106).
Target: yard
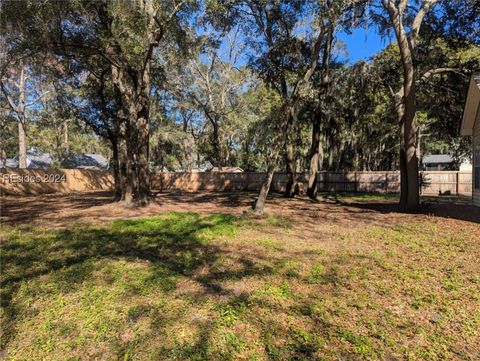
(195,277)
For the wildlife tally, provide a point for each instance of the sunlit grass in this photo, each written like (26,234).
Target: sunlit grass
(191,287)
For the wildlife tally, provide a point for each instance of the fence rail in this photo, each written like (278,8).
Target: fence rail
(27,181)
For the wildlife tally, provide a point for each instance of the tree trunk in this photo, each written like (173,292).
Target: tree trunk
(125,170)
(66,147)
(409,176)
(317,118)
(127,173)
(116,169)
(272,162)
(259,205)
(406,112)
(410,188)
(22,143)
(400,109)
(143,171)
(136,98)
(188,147)
(314,158)
(22,146)
(411,161)
(217,151)
(289,154)
(3,158)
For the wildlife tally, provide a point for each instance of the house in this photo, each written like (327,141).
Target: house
(445,162)
(471,127)
(35,160)
(10,163)
(86,161)
(438,162)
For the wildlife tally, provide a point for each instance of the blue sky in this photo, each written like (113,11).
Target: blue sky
(360,44)
(363,43)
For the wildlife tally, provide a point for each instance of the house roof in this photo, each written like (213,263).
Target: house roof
(437,158)
(11,163)
(226,169)
(472,105)
(35,160)
(87,161)
(39,160)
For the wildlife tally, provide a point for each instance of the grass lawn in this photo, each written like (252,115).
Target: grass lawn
(187,286)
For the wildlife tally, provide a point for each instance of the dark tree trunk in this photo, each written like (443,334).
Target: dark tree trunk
(411,161)
(126,170)
(410,187)
(142,147)
(317,118)
(117,177)
(400,109)
(406,108)
(135,95)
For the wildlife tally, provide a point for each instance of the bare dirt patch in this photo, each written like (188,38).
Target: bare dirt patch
(60,210)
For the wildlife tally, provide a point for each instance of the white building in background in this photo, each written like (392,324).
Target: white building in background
(466,166)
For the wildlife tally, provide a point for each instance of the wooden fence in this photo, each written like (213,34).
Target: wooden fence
(40,181)
(434,182)
(26,181)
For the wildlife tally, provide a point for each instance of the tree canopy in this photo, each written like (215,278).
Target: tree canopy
(185,85)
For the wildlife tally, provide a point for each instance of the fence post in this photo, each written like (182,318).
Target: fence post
(420,181)
(386,183)
(457,182)
(356,182)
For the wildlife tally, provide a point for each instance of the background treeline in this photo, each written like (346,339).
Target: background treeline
(264,85)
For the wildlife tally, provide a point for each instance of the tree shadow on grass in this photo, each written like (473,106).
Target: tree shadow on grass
(21,210)
(174,245)
(291,319)
(456,207)
(461,212)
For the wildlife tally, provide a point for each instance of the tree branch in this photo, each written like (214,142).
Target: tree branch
(11,103)
(431,72)
(37,99)
(417,22)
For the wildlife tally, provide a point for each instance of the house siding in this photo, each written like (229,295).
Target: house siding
(476,160)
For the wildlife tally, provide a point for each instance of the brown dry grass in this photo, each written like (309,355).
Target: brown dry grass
(60,210)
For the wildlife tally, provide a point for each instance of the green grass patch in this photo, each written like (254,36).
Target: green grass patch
(185,286)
